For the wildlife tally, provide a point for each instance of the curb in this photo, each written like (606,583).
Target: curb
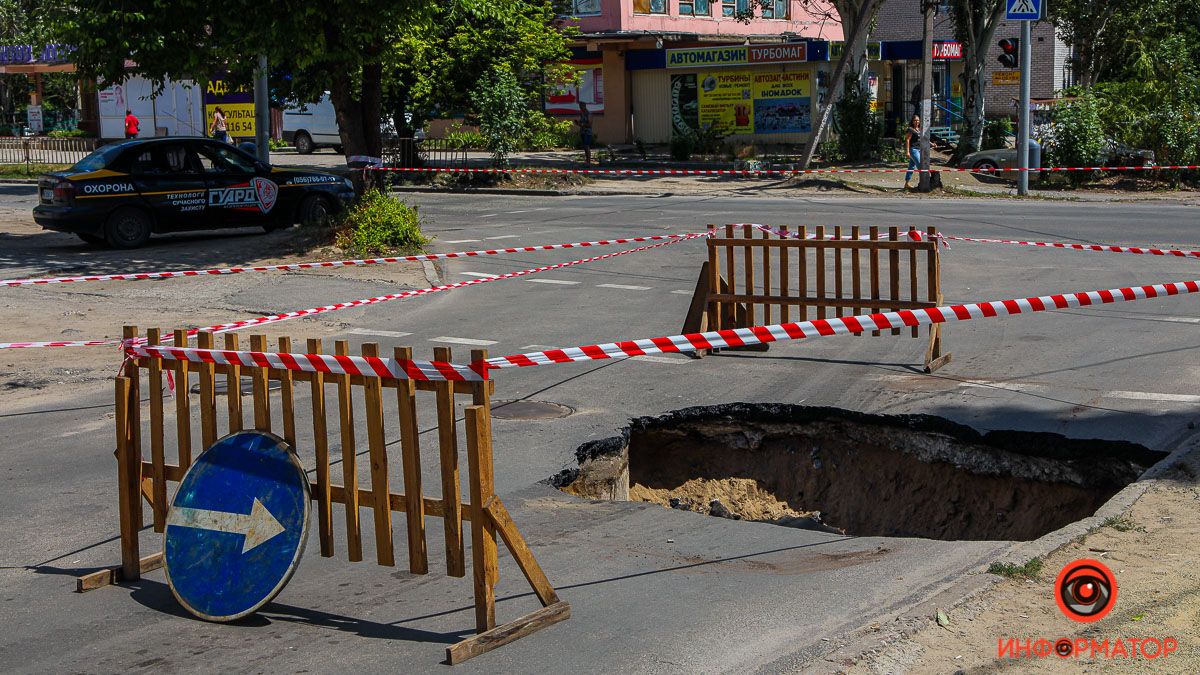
(18,181)
(516,191)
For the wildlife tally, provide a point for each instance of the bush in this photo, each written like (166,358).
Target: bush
(378,224)
(1076,139)
(501,103)
(277,144)
(858,127)
(996,133)
(67,133)
(543,132)
(682,147)
(465,139)
(831,151)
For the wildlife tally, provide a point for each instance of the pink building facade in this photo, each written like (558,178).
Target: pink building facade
(651,68)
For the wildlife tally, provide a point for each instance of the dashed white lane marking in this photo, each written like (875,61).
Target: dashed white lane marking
(462,241)
(1042,389)
(682,292)
(554,281)
(623,287)
(377,333)
(1150,396)
(537,348)
(485,275)
(489,215)
(1174,319)
(504,236)
(657,359)
(463,341)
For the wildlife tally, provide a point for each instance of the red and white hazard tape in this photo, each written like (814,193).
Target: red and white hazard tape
(275,318)
(738,337)
(138,276)
(915,235)
(367,366)
(763,172)
(1103,248)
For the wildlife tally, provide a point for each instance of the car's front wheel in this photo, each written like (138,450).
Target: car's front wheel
(127,228)
(304,143)
(985,165)
(314,211)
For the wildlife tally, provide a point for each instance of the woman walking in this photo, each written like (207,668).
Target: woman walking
(912,148)
(218,129)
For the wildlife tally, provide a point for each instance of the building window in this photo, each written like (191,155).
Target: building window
(649,6)
(695,8)
(734,7)
(585,7)
(777,9)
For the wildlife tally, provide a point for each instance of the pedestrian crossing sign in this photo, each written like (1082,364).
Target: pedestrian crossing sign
(1024,10)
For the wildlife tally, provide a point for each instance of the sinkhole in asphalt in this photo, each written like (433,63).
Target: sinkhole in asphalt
(865,475)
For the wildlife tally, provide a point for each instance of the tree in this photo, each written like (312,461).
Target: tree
(336,45)
(975,24)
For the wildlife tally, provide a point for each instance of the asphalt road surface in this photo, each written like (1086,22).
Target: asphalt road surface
(651,589)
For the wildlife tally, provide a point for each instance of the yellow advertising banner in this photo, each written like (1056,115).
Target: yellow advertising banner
(727,100)
(743,102)
(239,118)
(1002,77)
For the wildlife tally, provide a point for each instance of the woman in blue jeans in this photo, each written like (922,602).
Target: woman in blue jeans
(912,140)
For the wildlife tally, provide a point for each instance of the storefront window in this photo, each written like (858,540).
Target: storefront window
(778,9)
(734,7)
(695,8)
(649,6)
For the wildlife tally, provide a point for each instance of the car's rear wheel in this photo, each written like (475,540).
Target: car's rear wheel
(315,211)
(985,165)
(127,228)
(304,143)
(90,238)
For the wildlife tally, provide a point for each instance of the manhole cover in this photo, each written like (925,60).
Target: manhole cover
(529,410)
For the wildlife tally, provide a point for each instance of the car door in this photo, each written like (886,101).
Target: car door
(240,193)
(168,178)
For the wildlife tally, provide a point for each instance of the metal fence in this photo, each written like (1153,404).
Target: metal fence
(430,152)
(41,150)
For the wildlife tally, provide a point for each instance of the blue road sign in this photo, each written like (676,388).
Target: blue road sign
(1024,10)
(237,526)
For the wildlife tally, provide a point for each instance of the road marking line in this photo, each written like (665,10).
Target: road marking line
(537,348)
(1151,396)
(489,215)
(682,292)
(463,341)
(485,275)
(623,287)
(554,281)
(656,359)
(1173,319)
(504,236)
(378,333)
(463,241)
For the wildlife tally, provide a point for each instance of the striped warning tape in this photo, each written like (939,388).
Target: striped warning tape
(138,276)
(759,172)
(739,337)
(367,366)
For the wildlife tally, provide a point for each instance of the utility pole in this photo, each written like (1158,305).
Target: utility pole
(262,112)
(928,7)
(1023,124)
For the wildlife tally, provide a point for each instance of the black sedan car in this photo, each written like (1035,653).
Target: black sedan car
(124,192)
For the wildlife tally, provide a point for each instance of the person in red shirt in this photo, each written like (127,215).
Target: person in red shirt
(131,124)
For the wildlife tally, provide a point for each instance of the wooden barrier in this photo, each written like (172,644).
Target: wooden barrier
(823,278)
(139,480)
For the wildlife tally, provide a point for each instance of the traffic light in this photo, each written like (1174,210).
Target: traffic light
(1010,48)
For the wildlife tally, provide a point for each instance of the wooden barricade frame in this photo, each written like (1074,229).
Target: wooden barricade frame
(720,303)
(140,480)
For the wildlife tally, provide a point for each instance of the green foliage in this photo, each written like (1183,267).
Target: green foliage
(466,139)
(831,152)
(859,128)
(1121,524)
(502,108)
(277,144)
(682,147)
(890,151)
(709,140)
(378,224)
(543,132)
(1029,570)
(996,133)
(67,133)
(1076,138)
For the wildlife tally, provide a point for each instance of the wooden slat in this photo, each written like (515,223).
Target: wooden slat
(448,454)
(259,387)
(714,274)
(349,461)
(520,552)
(482,396)
(410,445)
(814,301)
(208,395)
(819,269)
(481,555)
(183,404)
(287,396)
(855,273)
(912,284)
(376,444)
(748,262)
(785,273)
(233,387)
(803,260)
(501,635)
(837,267)
(320,488)
(110,576)
(874,261)
(172,472)
(129,499)
(730,262)
(893,273)
(396,501)
(158,504)
(766,270)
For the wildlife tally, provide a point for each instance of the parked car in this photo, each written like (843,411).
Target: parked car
(1114,154)
(124,192)
(311,126)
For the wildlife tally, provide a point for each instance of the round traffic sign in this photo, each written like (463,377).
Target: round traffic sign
(237,526)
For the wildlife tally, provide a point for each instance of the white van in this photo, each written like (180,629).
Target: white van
(311,126)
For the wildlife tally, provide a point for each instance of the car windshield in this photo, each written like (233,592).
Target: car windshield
(98,159)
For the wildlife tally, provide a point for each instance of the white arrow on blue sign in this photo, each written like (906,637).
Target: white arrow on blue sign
(1024,10)
(237,526)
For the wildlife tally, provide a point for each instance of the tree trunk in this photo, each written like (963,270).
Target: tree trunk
(855,45)
(974,105)
(359,114)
